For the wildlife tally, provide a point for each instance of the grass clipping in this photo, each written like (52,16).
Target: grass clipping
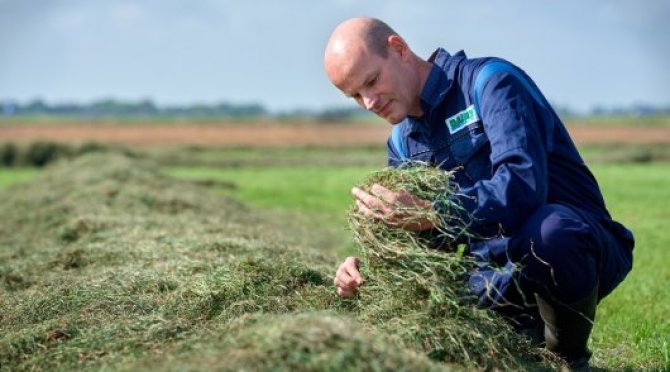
(420,293)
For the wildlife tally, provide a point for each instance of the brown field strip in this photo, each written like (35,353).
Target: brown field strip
(275,135)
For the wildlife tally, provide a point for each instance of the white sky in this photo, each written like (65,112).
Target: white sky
(581,53)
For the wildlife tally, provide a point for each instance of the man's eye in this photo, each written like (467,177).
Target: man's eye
(373,81)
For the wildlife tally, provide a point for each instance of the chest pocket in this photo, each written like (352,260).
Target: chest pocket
(470,150)
(418,151)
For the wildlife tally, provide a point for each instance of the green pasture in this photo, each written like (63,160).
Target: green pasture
(660,120)
(11,176)
(243,157)
(313,199)
(304,199)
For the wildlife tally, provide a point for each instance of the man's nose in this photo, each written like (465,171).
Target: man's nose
(370,102)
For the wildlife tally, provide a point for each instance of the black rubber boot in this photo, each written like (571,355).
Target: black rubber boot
(534,334)
(567,328)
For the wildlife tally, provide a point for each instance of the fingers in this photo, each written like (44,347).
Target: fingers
(372,206)
(391,197)
(400,198)
(367,211)
(370,202)
(346,293)
(384,200)
(379,196)
(348,278)
(393,207)
(347,274)
(351,264)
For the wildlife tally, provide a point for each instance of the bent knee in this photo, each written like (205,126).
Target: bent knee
(554,231)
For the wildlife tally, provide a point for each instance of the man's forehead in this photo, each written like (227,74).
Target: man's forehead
(353,68)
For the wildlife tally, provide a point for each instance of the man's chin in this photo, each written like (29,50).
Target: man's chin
(393,120)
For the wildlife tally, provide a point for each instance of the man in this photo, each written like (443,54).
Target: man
(550,250)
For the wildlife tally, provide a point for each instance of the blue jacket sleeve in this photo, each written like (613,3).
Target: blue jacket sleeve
(518,157)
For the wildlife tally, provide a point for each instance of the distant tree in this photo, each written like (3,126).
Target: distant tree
(564,111)
(35,107)
(341,114)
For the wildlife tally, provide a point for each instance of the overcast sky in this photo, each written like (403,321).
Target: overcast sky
(581,53)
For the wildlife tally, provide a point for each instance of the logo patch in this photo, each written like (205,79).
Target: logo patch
(462,119)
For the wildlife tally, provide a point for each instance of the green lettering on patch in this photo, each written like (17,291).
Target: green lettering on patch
(462,119)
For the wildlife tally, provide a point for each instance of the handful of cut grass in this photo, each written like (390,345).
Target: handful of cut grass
(418,292)
(408,255)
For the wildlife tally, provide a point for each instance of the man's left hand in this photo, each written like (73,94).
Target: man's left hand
(391,207)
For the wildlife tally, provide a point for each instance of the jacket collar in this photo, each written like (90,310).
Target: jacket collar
(437,85)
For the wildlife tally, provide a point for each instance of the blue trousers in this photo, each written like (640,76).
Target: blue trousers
(559,252)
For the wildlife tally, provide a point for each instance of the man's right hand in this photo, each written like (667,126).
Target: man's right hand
(347,278)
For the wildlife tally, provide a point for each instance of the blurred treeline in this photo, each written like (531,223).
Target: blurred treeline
(111,108)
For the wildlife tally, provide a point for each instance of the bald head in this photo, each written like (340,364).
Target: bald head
(370,34)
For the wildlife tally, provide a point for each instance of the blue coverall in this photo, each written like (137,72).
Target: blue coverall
(526,191)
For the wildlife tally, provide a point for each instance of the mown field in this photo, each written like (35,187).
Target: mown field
(632,328)
(198,258)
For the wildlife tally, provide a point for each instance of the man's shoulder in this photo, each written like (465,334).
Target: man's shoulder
(468,68)
(467,72)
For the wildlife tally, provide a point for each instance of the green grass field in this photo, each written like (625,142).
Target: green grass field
(316,197)
(305,204)
(11,176)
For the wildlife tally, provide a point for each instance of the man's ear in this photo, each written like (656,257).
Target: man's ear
(398,45)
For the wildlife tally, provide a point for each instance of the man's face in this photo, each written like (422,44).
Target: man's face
(380,85)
